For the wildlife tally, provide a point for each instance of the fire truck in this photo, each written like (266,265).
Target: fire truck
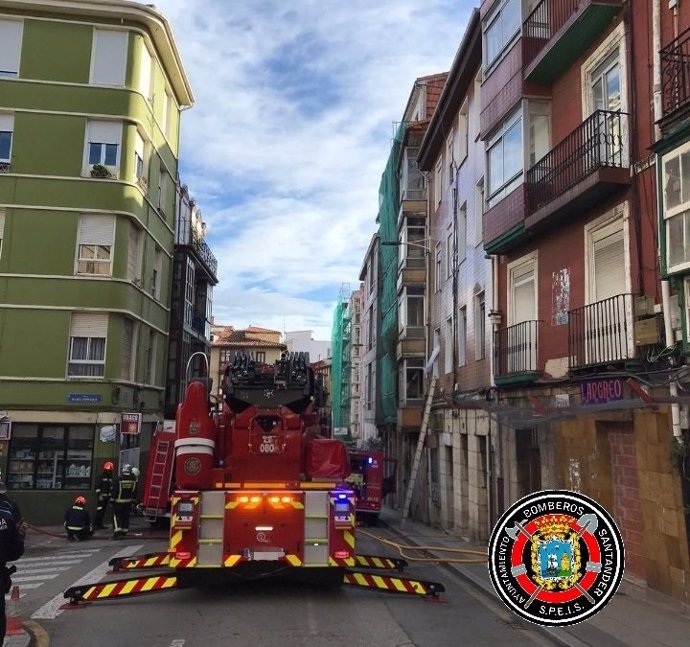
(257,491)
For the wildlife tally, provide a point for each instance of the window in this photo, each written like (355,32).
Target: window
(370,329)
(103,143)
(369,385)
(438,275)
(150,362)
(450,159)
(156,274)
(500,29)
(504,158)
(462,336)
(134,253)
(522,290)
(128,350)
(450,253)
(2,230)
(606,260)
(109,57)
(189,293)
(140,170)
(412,387)
(479,211)
(676,196)
(463,131)
(261,356)
(479,326)
(145,67)
(6,130)
(412,315)
(88,333)
(539,131)
(438,182)
(45,457)
(462,233)
(448,346)
(10,51)
(95,243)
(163,189)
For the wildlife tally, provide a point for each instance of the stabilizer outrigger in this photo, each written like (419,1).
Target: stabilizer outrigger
(371,578)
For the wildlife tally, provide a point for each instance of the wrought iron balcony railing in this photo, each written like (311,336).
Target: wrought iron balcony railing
(675,74)
(516,349)
(601,332)
(599,142)
(545,21)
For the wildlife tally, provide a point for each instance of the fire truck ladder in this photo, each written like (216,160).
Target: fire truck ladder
(418,452)
(157,477)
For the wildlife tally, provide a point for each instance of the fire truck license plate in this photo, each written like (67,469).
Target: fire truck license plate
(269,445)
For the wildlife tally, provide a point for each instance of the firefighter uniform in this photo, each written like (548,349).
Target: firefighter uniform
(122,496)
(103,489)
(77,521)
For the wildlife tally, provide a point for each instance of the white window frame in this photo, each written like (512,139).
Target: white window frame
(508,183)
(512,269)
(438,182)
(7,126)
(463,131)
(448,346)
(449,254)
(604,225)
(462,234)
(111,77)
(682,210)
(8,60)
(438,267)
(141,161)
(508,35)
(462,336)
(450,159)
(479,326)
(93,327)
(479,212)
(111,132)
(410,364)
(156,274)
(103,238)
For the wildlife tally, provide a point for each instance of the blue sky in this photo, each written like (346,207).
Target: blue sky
(285,145)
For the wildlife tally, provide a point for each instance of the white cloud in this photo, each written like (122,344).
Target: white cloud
(285,146)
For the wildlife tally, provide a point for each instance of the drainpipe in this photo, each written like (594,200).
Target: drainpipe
(670,341)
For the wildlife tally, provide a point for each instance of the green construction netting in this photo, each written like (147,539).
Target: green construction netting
(389,206)
(340,367)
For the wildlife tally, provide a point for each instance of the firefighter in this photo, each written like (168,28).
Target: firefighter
(103,494)
(122,495)
(12,534)
(78,521)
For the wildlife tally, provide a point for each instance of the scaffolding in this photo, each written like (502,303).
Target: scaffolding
(389,206)
(341,344)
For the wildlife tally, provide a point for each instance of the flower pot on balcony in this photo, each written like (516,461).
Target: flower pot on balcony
(98,170)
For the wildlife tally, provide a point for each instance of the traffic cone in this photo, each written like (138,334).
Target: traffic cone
(14,624)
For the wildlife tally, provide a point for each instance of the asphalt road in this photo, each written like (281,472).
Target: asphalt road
(261,614)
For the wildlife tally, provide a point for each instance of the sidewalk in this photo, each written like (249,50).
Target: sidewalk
(627,620)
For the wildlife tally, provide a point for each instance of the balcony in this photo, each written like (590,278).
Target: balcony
(558,32)
(601,333)
(675,81)
(409,416)
(516,353)
(187,234)
(588,165)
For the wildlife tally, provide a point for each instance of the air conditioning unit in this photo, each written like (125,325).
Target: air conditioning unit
(644,306)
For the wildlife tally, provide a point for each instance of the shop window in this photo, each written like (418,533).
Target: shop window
(50,457)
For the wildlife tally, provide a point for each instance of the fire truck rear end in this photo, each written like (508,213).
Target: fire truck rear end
(258,491)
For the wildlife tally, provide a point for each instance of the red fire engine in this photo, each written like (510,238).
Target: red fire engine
(258,491)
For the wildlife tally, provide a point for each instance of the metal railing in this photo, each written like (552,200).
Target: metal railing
(599,142)
(186,234)
(545,21)
(516,349)
(601,332)
(675,73)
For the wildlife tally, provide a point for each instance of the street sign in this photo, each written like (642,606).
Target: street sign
(130,423)
(84,398)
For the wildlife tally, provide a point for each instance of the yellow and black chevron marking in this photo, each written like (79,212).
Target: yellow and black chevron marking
(392,584)
(150,560)
(373,561)
(120,588)
(182,563)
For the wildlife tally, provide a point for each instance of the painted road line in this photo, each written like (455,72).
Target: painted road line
(34,578)
(51,609)
(43,569)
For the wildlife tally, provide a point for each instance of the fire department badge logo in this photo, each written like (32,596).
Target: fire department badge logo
(192,466)
(556,557)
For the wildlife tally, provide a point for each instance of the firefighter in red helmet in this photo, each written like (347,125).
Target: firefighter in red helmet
(103,488)
(77,521)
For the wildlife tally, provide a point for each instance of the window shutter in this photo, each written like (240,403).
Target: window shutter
(2,224)
(96,230)
(6,123)
(105,132)
(145,72)
(126,350)
(11,39)
(87,324)
(609,266)
(109,57)
(134,253)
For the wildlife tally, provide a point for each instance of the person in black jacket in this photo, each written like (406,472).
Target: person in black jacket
(77,521)
(122,496)
(103,488)
(12,533)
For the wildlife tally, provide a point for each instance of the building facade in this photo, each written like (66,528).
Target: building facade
(459,292)
(302,341)
(88,163)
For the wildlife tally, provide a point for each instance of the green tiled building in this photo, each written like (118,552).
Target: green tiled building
(90,101)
